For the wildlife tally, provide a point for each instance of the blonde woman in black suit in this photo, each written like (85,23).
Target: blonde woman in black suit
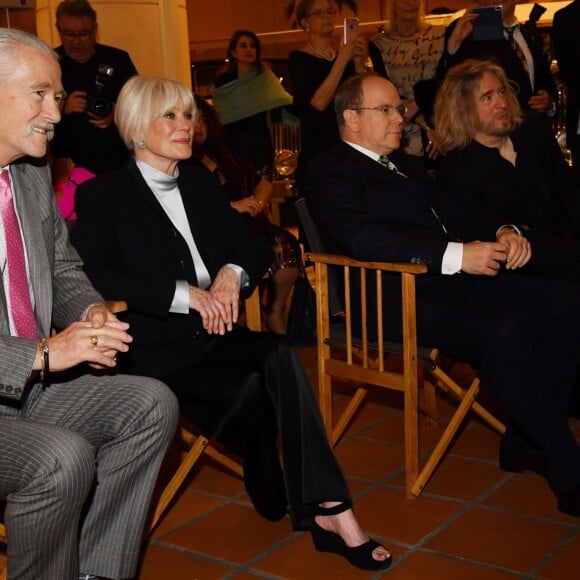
(172,246)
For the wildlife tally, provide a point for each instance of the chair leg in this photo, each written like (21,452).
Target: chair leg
(179,476)
(411,416)
(450,385)
(347,414)
(224,460)
(443,443)
(429,405)
(3,540)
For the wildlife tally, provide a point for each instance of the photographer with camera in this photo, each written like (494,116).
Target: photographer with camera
(92,75)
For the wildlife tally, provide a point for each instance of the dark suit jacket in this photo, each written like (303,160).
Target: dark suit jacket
(538,194)
(133,252)
(565,37)
(507,57)
(367,212)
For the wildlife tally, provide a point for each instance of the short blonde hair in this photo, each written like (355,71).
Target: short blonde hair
(142,99)
(456,117)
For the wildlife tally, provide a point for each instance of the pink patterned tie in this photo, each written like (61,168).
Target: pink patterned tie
(20,303)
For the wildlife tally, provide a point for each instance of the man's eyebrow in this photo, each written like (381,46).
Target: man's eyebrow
(41,85)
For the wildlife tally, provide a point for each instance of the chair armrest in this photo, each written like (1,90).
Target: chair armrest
(116,306)
(336,260)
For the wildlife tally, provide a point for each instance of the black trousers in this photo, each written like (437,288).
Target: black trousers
(523,334)
(248,388)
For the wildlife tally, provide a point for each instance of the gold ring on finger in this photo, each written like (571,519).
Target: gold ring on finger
(94,340)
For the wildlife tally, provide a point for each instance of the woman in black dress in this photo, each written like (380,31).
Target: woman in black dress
(316,70)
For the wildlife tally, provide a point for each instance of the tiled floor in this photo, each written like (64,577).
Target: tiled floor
(473,521)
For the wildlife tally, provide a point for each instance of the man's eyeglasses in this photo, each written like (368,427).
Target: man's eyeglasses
(327,12)
(385,110)
(72,34)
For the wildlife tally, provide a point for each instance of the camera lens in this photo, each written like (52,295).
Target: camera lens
(100,106)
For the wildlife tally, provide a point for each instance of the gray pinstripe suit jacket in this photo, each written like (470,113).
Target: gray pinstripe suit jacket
(60,288)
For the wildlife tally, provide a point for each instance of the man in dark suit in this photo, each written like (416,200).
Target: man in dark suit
(567,50)
(62,430)
(508,167)
(520,53)
(521,333)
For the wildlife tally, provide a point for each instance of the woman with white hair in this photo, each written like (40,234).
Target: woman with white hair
(163,237)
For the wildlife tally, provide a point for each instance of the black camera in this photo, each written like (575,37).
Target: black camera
(99,103)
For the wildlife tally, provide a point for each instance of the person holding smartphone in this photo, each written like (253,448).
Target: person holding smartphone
(316,70)
(407,53)
(519,51)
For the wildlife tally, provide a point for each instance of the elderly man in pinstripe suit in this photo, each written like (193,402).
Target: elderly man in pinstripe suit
(79,452)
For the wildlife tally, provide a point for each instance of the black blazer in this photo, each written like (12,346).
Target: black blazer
(131,251)
(367,212)
(502,51)
(567,49)
(538,194)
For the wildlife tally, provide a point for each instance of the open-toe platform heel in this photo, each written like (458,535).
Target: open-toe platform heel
(359,556)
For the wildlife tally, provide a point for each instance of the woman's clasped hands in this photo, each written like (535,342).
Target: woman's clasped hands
(218,306)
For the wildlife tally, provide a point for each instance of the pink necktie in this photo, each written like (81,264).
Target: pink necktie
(20,303)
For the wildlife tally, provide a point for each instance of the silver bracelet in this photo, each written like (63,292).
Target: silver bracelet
(44,360)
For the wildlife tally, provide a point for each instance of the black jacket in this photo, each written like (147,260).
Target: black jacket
(132,251)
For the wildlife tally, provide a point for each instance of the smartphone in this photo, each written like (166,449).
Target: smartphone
(350,28)
(489,24)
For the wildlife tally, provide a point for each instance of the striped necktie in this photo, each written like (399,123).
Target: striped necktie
(384,160)
(18,291)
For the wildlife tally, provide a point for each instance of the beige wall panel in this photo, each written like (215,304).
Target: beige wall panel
(176,57)
(45,21)
(134,27)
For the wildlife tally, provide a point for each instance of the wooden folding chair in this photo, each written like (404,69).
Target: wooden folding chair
(196,444)
(199,444)
(342,355)
(3,540)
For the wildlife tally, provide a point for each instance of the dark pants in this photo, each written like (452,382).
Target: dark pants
(523,334)
(249,387)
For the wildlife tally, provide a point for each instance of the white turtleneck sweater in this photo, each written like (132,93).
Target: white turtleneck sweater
(165,189)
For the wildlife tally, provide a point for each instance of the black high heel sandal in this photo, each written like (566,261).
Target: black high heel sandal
(359,556)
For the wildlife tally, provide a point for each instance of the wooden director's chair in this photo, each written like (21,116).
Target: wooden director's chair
(342,355)
(199,444)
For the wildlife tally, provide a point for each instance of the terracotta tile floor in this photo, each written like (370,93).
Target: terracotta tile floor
(473,521)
